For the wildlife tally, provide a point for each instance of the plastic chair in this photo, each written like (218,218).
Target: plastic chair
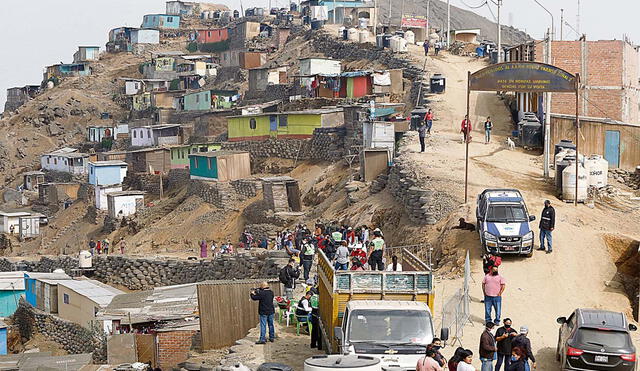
(291,312)
(300,321)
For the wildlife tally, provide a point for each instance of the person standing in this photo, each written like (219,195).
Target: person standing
(342,257)
(504,336)
(307,252)
(92,246)
(426,47)
(288,276)
(123,245)
(428,362)
(422,133)
(522,341)
(487,347)
(488,125)
(436,345)
(376,251)
(203,249)
(264,297)
(547,224)
(99,247)
(493,285)
(437,47)
(465,129)
(465,363)
(394,266)
(428,118)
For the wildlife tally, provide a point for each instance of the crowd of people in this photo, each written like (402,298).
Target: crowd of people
(104,246)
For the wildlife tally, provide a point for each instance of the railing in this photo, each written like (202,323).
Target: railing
(417,257)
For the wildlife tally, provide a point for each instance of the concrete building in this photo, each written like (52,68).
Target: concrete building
(156,135)
(212,35)
(220,165)
(66,160)
(32,179)
(260,78)
(58,193)
(124,203)
(95,133)
(79,300)
(136,86)
(107,172)
(161,21)
(86,54)
(181,8)
(145,36)
(282,194)
(122,39)
(101,192)
(18,96)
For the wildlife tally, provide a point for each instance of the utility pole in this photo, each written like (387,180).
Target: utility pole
(547,114)
(389,16)
(401,14)
(561,24)
(375,17)
(426,34)
(448,22)
(499,33)
(578,19)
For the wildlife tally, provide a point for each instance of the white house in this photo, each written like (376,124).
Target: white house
(67,160)
(314,66)
(141,136)
(124,203)
(24,224)
(156,135)
(102,191)
(145,36)
(97,133)
(136,86)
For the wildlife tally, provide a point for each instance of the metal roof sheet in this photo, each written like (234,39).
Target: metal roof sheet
(94,290)
(108,163)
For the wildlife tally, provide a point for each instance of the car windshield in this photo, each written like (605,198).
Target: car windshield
(610,339)
(506,213)
(390,326)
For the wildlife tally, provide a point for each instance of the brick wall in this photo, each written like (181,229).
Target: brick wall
(173,347)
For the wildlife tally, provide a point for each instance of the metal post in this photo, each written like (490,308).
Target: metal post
(466,151)
(578,19)
(547,114)
(449,24)
(575,201)
(561,24)
(499,33)
(375,17)
(161,187)
(389,15)
(334,11)
(401,13)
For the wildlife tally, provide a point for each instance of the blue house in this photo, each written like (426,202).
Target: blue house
(3,339)
(161,21)
(11,290)
(107,172)
(41,290)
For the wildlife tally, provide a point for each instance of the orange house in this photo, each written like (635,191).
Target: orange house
(213,35)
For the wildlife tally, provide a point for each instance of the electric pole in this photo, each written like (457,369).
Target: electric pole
(578,19)
(561,23)
(389,15)
(499,33)
(448,22)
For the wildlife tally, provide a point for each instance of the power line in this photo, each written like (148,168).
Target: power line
(474,7)
(491,11)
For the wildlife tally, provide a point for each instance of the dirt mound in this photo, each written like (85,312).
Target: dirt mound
(625,254)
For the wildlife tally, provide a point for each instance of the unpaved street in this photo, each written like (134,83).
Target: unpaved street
(541,288)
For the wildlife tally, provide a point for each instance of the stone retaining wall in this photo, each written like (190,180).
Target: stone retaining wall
(220,194)
(246,187)
(149,183)
(177,178)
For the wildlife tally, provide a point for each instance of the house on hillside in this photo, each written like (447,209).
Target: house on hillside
(63,70)
(58,194)
(317,66)
(242,31)
(150,160)
(101,192)
(95,133)
(220,165)
(122,39)
(141,102)
(136,86)
(12,289)
(181,8)
(180,154)
(247,60)
(156,135)
(144,36)
(294,124)
(41,290)
(466,36)
(196,101)
(79,300)
(107,172)
(32,179)
(212,35)
(20,223)
(66,160)
(161,21)
(86,54)
(166,99)
(260,78)
(18,96)
(124,203)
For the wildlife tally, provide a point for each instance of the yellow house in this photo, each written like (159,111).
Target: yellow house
(283,125)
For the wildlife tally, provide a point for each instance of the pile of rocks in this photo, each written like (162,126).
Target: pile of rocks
(630,179)
(149,183)
(327,144)
(379,183)
(417,201)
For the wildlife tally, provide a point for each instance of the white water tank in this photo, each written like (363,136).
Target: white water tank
(59,271)
(402,45)
(410,36)
(598,169)
(363,36)
(363,23)
(352,34)
(569,182)
(342,363)
(84,259)
(205,15)
(341,31)
(394,43)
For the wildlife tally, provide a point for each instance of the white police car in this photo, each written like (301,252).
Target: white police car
(503,222)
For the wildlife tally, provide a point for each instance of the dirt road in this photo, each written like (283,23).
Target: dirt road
(541,288)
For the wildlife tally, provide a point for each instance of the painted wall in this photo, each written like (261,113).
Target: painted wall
(96,134)
(9,303)
(101,195)
(121,206)
(75,307)
(212,35)
(203,167)
(161,21)
(282,126)
(145,37)
(141,137)
(106,175)
(180,155)
(197,101)
(313,66)
(64,164)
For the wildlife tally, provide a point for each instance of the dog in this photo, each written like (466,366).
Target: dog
(510,144)
(464,225)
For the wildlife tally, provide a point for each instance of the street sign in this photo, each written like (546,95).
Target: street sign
(523,77)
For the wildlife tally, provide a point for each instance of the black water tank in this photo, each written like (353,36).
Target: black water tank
(274,367)
(560,166)
(386,40)
(531,134)
(417,116)
(380,41)
(236,14)
(437,83)
(564,143)
(316,24)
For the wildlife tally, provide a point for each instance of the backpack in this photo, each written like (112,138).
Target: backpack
(284,276)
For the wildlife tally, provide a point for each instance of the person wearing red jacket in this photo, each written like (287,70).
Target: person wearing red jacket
(465,128)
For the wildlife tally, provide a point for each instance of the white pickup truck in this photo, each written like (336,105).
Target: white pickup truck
(396,332)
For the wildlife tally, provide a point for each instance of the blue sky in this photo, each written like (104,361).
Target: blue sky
(37,33)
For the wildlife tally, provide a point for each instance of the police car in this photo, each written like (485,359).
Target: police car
(503,222)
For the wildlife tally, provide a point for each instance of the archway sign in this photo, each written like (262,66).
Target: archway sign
(523,77)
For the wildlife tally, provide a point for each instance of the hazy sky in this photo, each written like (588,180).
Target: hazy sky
(37,33)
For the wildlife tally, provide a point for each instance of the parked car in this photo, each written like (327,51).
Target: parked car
(503,222)
(593,339)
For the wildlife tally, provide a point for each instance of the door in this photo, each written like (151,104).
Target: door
(273,123)
(293,195)
(612,148)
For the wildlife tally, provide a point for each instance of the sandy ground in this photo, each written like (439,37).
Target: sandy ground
(541,288)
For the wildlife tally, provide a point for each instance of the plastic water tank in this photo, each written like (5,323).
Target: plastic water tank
(84,259)
(341,32)
(205,15)
(564,143)
(236,14)
(564,153)
(363,23)
(531,134)
(394,44)
(402,45)
(598,169)
(410,36)
(363,36)
(380,41)
(352,34)
(59,271)
(569,182)
(386,40)
(342,363)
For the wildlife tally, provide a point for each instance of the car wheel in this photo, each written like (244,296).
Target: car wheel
(530,253)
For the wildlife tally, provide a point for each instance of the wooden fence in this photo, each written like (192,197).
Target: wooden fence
(227,312)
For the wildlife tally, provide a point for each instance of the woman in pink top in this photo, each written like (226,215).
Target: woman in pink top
(428,363)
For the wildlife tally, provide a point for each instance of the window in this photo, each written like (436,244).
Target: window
(134,133)
(169,19)
(48,158)
(209,34)
(91,170)
(197,98)
(172,155)
(55,161)
(283,120)
(252,124)
(65,298)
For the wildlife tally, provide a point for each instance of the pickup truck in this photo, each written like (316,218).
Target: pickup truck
(386,315)
(503,222)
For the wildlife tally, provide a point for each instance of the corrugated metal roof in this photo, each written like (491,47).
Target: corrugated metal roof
(217,153)
(98,292)
(108,163)
(12,281)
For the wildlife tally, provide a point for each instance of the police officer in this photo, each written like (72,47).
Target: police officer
(306,257)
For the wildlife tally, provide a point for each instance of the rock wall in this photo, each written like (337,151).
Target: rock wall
(73,338)
(149,183)
(177,178)
(220,194)
(247,188)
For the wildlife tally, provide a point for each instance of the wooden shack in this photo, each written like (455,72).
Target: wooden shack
(150,160)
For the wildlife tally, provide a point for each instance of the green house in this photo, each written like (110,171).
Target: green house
(180,154)
(220,165)
(294,124)
(197,101)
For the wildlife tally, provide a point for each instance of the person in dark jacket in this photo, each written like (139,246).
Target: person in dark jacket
(522,341)
(547,224)
(487,347)
(518,364)
(264,297)
(504,336)
(288,276)
(422,133)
